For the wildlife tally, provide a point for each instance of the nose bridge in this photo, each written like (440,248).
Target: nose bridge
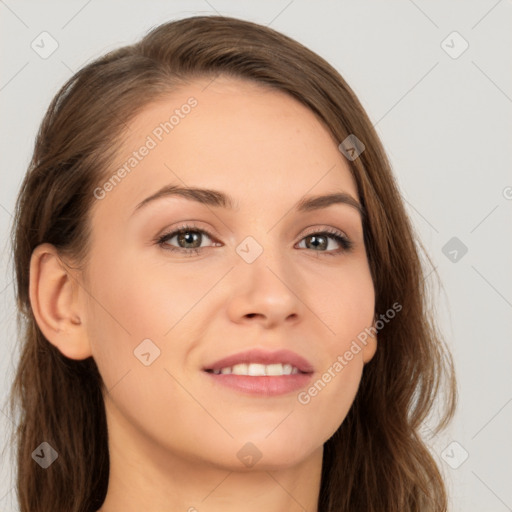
(260,252)
(265,282)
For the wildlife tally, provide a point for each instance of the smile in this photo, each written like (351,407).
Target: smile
(258,370)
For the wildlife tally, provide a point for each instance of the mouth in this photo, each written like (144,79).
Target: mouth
(260,372)
(257,370)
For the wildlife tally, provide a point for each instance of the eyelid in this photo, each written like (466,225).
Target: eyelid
(170,233)
(323,229)
(183,226)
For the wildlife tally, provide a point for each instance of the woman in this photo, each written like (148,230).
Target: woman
(222,299)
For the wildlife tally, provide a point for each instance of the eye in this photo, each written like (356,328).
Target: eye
(321,239)
(189,240)
(188,236)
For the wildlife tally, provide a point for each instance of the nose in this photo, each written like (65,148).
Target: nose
(266,293)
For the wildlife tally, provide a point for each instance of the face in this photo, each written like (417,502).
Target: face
(290,284)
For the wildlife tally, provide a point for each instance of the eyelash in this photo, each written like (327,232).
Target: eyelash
(342,240)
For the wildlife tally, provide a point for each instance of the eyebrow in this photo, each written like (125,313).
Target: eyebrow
(219,199)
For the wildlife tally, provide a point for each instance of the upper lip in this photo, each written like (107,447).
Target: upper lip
(263,357)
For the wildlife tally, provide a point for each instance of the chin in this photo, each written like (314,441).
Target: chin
(260,454)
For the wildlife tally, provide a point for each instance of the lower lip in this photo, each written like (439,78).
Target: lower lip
(263,385)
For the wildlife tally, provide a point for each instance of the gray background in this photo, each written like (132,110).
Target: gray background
(445,122)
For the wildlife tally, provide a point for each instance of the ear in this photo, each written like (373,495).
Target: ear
(55,298)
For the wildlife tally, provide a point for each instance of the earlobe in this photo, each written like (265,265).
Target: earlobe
(54,298)
(369,349)
(370,346)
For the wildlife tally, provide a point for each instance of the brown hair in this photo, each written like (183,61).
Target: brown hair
(377,460)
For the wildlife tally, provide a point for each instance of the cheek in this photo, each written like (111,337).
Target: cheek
(329,398)
(141,299)
(332,393)
(346,305)
(131,300)
(124,308)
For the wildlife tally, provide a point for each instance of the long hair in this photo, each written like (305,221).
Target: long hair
(376,461)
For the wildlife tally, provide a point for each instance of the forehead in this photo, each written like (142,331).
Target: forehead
(252,141)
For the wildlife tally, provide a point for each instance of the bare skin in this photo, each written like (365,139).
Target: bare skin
(175,434)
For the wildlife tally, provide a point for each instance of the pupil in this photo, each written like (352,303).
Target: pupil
(315,238)
(188,237)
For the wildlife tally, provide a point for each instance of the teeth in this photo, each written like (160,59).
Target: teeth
(240,369)
(258,370)
(274,369)
(287,369)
